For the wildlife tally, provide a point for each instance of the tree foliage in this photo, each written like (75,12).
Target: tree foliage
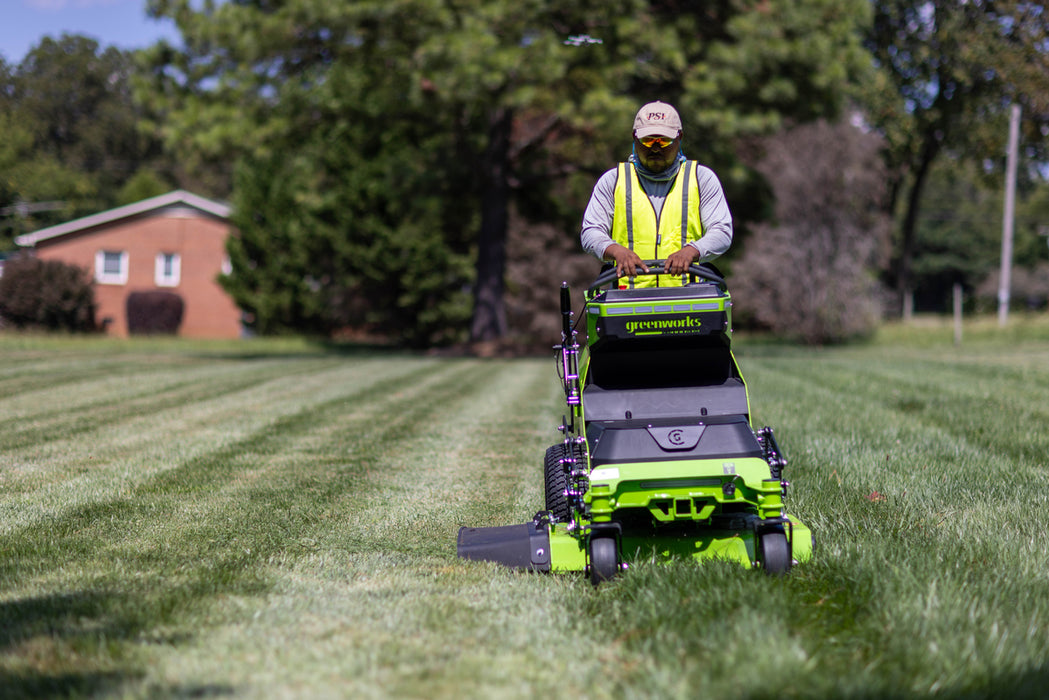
(948,71)
(402,137)
(71,136)
(405,166)
(958,237)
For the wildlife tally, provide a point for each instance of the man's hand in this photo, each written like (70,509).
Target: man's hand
(678,263)
(626,260)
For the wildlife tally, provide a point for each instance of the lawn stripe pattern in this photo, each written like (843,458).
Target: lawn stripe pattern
(189,521)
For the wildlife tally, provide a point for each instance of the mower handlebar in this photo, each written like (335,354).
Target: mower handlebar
(656,267)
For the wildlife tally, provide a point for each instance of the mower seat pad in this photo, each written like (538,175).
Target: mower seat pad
(634,441)
(726,399)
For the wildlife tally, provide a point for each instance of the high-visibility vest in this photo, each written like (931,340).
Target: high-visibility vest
(636,226)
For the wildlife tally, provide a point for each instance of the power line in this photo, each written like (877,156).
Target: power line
(24,209)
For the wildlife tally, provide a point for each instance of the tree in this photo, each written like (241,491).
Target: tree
(948,70)
(705,57)
(484,105)
(296,269)
(71,133)
(346,185)
(811,274)
(35,188)
(958,232)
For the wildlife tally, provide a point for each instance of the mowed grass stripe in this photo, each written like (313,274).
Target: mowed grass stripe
(125,393)
(290,486)
(132,379)
(21,375)
(923,582)
(970,413)
(161,494)
(320,560)
(951,455)
(383,607)
(158,554)
(475,460)
(117,456)
(930,513)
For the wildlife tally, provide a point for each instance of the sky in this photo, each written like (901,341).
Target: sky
(120,23)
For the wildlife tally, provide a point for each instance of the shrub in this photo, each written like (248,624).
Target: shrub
(812,274)
(47,294)
(155,312)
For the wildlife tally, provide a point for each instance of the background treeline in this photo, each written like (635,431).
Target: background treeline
(417,169)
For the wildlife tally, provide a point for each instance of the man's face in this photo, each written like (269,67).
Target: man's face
(657,155)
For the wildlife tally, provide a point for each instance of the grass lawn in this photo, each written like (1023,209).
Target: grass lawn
(277,519)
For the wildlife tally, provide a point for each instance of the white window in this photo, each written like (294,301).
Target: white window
(168,269)
(111,267)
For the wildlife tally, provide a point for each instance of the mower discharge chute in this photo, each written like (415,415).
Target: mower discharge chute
(659,458)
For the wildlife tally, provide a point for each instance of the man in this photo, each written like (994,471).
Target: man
(657,206)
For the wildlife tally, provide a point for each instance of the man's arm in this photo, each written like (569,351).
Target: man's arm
(595,235)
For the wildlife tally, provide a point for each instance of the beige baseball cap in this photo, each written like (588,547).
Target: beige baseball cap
(657,119)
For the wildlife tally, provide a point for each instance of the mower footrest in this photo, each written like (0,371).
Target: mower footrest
(525,546)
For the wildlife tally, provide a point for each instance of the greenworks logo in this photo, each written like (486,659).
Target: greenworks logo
(658,326)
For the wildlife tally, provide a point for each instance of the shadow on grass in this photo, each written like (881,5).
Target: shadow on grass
(32,685)
(39,635)
(43,638)
(35,684)
(298,349)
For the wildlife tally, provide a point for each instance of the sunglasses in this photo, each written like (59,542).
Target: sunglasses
(661,141)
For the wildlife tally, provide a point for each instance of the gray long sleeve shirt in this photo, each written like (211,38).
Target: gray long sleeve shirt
(714,213)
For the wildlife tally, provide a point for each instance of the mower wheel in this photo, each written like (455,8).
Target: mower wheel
(604,559)
(775,553)
(556,480)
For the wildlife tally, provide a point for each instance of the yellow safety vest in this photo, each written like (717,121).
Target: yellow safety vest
(636,226)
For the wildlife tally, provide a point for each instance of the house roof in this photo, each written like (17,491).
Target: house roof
(144,207)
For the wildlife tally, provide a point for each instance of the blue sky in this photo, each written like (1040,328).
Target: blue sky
(123,23)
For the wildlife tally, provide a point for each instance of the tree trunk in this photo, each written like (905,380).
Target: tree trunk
(904,281)
(489,314)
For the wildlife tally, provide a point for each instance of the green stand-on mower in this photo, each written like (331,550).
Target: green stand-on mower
(659,458)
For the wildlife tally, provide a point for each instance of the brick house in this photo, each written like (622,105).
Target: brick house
(175,242)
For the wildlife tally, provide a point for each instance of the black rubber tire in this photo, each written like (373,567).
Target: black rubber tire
(556,481)
(775,553)
(604,559)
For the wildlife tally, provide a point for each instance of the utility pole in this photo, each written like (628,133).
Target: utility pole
(1005,275)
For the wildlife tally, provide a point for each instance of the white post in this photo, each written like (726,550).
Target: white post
(1005,275)
(957,313)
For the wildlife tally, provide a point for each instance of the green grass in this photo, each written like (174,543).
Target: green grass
(278,519)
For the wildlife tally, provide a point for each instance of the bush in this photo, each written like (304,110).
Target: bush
(812,275)
(47,294)
(154,312)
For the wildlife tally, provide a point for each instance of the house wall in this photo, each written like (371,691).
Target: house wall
(197,238)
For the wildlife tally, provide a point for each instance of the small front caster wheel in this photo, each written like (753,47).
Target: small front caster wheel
(775,553)
(604,559)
